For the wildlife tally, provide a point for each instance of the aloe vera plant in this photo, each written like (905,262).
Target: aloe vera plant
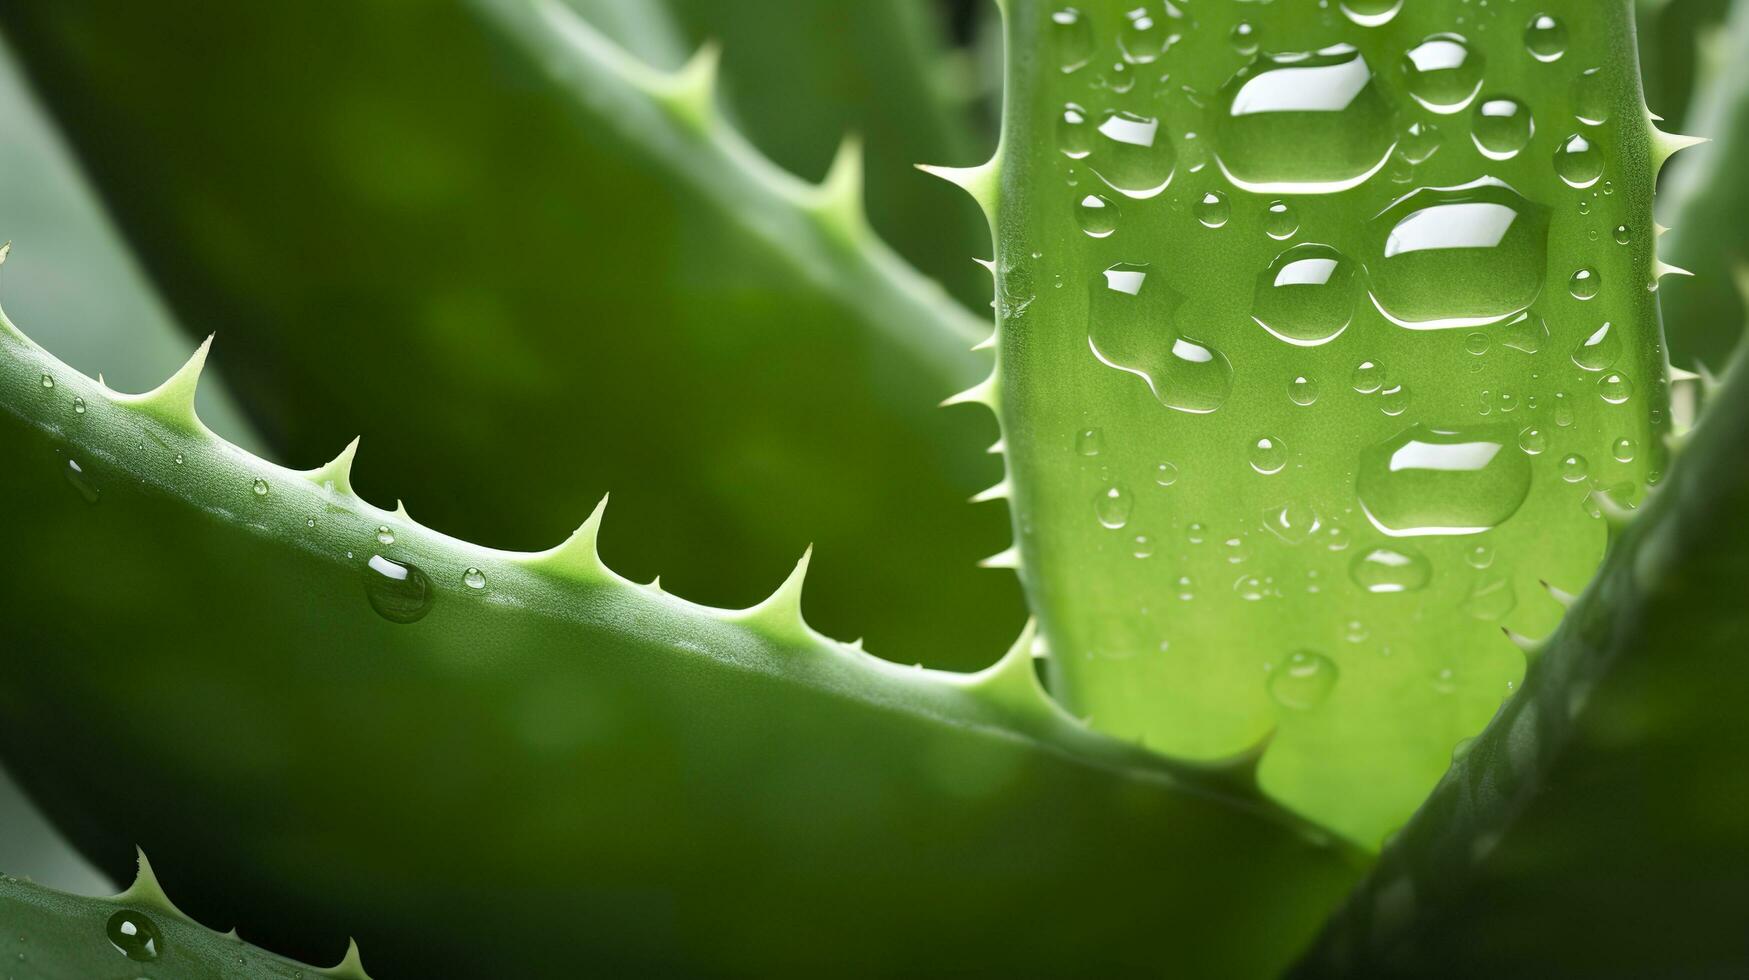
(1328,368)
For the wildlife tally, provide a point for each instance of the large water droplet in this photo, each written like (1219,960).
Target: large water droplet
(1072,38)
(1307,296)
(1579,161)
(1303,123)
(400,592)
(1140,39)
(1304,681)
(1135,158)
(1545,37)
(473,578)
(136,935)
(1438,481)
(1623,450)
(1502,126)
(1097,215)
(1443,73)
(1585,284)
(1129,328)
(1113,506)
(1388,570)
(1615,388)
(1599,350)
(1451,257)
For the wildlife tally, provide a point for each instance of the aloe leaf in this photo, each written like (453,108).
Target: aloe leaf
(1322,325)
(800,72)
(1705,198)
(736,357)
(484,762)
(1596,827)
(52,935)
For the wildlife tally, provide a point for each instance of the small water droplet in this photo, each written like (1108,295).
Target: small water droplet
(1251,588)
(1574,468)
(1113,506)
(1368,377)
(1533,440)
(1491,598)
(78,480)
(400,592)
(1599,350)
(1624,450)
(1165,474)
(1196,532)
(1293,522)
(1585,284)
(1394,400)
(1623,235)
(1244,37)
(1615,388)
(1280,220)
(1304,682)
(1213,210)
(1479,556)
(1591,97)
(1355,631)
(179,459)
(1072,37)
(1388,570)
(384,535)
(1267,455)
(1074,135)
(135,935)
(1563,410)
(78,406)
(309,522)
(1142,546)
(1302,391)
(1097,215)
(1579,161)
(1501,127)
(260,487)
(473,578)
(1139,39)
(1545,37)
(1443,73)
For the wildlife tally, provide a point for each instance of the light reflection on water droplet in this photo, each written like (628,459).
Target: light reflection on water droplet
(1304,682)
(1383,571)
(1615,388)
(1072,38)
(1135,159)
(1598,350)
(1303,123)
(1579,162)
(1113,506)
(1307,296)
(1267,455)
(1427,481)
(1371,13)
(1444,74)
(1545,37)
(1213,210)
(1097,215)
(1458,257)
(400,592)
(1302,391)
(1501,127)
(1129,328)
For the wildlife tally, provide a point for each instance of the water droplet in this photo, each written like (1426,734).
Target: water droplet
(78,406)
(1072,37)
(1591,97)
(1165,474)
(1113,506)
(1599,350)
(400,592)
(1128,328)
(1213,210)
(1388,570)
(1585,284)
(1244,38)
(1302,391)
(79,481)
(1196,533)
(1525,332)
(1477,343)
(384,535)
(1355,631)
(1303,123)
(1135,159)
(1371,13)
(1608,188)
(1501,128)
(1440,481)
(1453,257)
(1280,220)
(1623,235)
(1545,37)
(1251,588)
(1307,296)
(1574,468)
(1420,142)
(1479,556)
(48,382)
(1579,162)
(1139,39)
(1623,450)
(1142,547)
(136,935)
(1533,440)
(1089,442)
(1491,598)
(1615,388)
(1563,410)
(1368,377)
(178,458)
(260,487)
(473,578)
(1293,522)
(1267,455)
(1074,136)
(1444,74)
(309,522)
(1304,681)
(1097,214)
(1394,400)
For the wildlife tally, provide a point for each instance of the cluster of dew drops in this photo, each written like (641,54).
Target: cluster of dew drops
(1309,294)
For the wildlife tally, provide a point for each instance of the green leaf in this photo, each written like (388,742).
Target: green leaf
(725,348)
(1303,369)
(331,720)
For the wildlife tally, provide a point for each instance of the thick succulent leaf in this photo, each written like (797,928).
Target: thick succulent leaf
(797,73)
(1707,198)
(1321,324)
(52,935)
(326,717)
(1597,827)
(738,358)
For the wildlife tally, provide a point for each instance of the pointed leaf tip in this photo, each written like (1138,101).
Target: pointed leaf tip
(351,966)
(781,612)
(173,401)
(336,474)
(577,554)
(982,393)
(1666,145)
(980,182)
(1007,558)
